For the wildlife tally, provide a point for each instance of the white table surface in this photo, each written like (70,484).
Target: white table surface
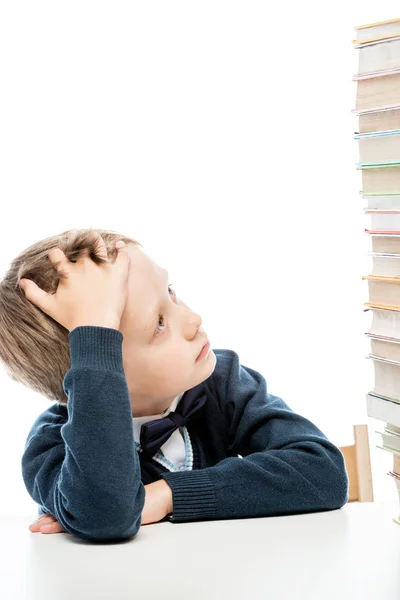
(350,553)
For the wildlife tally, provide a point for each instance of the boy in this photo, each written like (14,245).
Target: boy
(149,423)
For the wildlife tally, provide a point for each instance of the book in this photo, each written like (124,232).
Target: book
(384,291)
(377,31)
(387,378)
(383,408)
(381,179)
(388,349)
(385,242)
(384,339)
(385,264)
(379,147)
(384,323)
(380,90)
(379,120)
(381,219)
(380,55)
(390,440)
(391,201)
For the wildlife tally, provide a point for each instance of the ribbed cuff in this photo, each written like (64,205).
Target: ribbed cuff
(193,495)
(97,347)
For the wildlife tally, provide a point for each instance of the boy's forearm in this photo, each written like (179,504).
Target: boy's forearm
(308,478)
(91,483)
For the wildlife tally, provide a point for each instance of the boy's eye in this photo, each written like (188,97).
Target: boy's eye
(161,317)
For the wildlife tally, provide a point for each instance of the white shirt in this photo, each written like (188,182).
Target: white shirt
(174,447)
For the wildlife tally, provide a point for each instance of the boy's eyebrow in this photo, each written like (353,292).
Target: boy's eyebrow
(154,312)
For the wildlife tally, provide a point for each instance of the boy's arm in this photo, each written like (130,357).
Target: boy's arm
(85,471)
(288,464)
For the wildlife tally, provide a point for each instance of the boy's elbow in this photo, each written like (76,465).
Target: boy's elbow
(122,535)
(336,481)
(107,533)
(113,521)
(338,494)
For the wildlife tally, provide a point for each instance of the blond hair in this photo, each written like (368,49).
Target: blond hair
(34,348)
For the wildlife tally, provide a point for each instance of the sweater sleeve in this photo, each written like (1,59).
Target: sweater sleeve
(85,470)
(286,464)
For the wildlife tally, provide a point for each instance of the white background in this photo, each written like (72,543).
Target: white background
(220,135)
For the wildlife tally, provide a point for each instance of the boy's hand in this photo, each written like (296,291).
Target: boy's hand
(158,504)
(87,293)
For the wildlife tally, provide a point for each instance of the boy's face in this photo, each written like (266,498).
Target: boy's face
(162,339)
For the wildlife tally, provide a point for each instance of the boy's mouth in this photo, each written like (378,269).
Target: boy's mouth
(204,351)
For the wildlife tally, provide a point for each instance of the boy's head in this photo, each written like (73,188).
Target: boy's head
(162,336)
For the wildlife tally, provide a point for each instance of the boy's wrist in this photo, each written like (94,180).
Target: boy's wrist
(109,323)
(97,347)
(168,497)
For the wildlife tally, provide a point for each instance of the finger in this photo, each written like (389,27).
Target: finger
(52,528)
(42,518)
(58,259)
(36,295)
(40,522)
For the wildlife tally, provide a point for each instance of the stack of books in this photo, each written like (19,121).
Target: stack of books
(378,109)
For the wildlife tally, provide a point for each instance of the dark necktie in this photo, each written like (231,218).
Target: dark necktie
(154,434)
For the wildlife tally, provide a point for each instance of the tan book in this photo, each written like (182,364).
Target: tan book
(378,92)
(386,243)
(386,349)
(381,180)
(381,120)
(384,291)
